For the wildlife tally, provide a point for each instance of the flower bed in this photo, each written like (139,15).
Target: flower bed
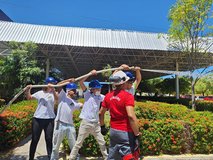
(174,129)
(15,123)
(166,129)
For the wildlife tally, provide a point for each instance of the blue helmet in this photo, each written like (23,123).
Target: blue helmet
(50,80)
(94,84)
(130,75)
(71,86)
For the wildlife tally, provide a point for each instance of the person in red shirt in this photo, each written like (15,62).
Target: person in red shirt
(123,121)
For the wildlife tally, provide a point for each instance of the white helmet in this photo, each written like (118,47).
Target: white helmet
(118,78)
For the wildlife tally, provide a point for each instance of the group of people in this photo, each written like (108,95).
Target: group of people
(119,102)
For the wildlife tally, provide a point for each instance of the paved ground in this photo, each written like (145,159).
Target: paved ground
(180,157)
(22,150)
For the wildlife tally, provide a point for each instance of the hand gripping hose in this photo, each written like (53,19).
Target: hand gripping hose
(86,75)
(60,85)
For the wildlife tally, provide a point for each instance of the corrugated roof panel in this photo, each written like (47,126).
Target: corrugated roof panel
(87,37)
(62,36)
(8,32)
(41,34)
(76,38)
(69,34)
(107,38)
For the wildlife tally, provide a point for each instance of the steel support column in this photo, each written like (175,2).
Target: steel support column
(47,67)
(177,82)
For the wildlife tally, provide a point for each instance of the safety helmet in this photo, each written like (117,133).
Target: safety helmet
(50,80)
(130,75)
(118,78)
(95,84)
(71,86)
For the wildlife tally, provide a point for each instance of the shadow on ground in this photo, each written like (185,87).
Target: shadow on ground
(9,154)
(15,157)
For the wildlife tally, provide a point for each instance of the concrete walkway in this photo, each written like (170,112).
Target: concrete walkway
(21,152)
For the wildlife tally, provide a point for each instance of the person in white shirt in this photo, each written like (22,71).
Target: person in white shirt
(43,118)
(90,117)
(67,104)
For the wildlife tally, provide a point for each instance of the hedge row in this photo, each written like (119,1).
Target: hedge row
(170,100)
(201,105)
(204,106)
(174,129)
(15,123)
(166,129)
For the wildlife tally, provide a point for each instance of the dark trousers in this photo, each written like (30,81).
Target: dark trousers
(37,126)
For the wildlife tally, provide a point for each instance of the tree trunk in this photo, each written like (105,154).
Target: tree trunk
(193,95)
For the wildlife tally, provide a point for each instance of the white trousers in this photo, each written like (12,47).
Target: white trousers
(60,131)
(85,129)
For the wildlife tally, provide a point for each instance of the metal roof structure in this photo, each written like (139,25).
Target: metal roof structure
(81,37)
(76,51)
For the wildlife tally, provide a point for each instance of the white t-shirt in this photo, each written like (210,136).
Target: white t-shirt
(66,107)
(90,110)
(45,109)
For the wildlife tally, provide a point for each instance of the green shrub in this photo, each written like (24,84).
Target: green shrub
(204,106)
(201,126)
(171,100)
(193,130)
(157,110)
(15,123)
(166,129)
(161,136)
(2,102)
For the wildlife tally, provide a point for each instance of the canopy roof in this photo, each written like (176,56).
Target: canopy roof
(76,51)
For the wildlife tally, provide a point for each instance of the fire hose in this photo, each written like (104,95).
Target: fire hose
(86,75)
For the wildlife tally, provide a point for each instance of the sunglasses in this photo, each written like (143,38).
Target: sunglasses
(116,79)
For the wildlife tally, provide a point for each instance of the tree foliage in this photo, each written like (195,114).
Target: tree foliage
(108,73)
(149,86)
(190,33)
(18,69)
(164,86)
(167,86)
(205,85)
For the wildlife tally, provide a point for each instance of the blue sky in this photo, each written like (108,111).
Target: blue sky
(135,15)
(138,15)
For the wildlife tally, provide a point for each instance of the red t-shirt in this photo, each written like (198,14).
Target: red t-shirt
(116,102)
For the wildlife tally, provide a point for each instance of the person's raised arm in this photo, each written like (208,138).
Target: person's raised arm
(133,120)
(138,76)
(63,82)
(122,67)
(81,82)
(67,80)
(55,94)
(28,92)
